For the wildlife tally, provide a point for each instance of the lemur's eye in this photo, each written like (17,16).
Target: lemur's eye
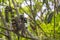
(25,20)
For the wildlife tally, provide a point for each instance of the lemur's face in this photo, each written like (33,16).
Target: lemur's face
(23,19)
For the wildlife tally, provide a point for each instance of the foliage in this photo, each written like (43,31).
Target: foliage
(40,26)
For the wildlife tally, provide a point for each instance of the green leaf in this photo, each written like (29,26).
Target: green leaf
(0,1)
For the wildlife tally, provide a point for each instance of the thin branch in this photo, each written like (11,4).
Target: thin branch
(54,18)
(5,24)
(6,29)
(15,7)
(3,34)
(9,3)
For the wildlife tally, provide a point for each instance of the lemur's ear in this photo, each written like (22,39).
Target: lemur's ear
(21,17)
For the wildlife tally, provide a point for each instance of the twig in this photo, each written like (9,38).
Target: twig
(3,34)
(15,7)
(4,22)
(54,19)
